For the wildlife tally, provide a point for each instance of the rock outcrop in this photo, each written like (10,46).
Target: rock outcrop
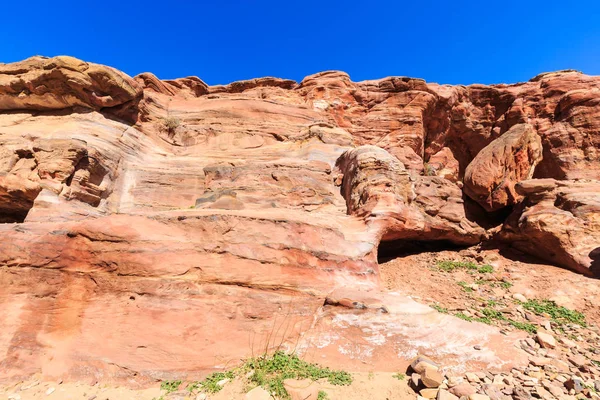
(131,204)
(491,177)
(377,186)
(41,83)
(559,221)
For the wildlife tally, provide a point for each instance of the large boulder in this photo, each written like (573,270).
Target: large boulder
(491,177)
(558,221)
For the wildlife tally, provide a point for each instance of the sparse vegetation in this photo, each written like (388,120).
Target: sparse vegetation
(451,266)
(399,376)
(485,269)
(211,383)
(560,315)
(439,308)
(505,285)
(463,316)
(524,326)
(270,371)
(428,170)
(322,395)
(465,286)
(170,386)
(170,124)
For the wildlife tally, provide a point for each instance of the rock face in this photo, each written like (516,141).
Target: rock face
(558,221)
(40,83)
(142,217)
(491,177)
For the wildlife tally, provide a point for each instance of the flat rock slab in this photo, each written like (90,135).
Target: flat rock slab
(386,341)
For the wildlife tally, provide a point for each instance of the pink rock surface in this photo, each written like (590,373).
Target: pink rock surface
(157,229)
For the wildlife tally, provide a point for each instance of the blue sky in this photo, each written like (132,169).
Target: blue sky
(457,42)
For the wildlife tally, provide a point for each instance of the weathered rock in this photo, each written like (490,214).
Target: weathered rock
(462,389)
(477,396)
(167,203)
(491,177)
(376,186)
(41,83)
(420,363)
(445,395)
(558,221)
(575,384)
(431,378)
(429,393)
(443,164)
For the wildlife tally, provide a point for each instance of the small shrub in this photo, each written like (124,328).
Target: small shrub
(560,315)
(524,326)
(492,303)
(171,124)
(322,395)
(485,269)
(428,170)
(170,386)
(211,383)
(463,316)
(451,266)
(465,286)
(439,308)
(505,285)
(271,371)
(399,376)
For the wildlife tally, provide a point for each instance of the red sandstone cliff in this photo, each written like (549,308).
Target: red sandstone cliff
(133,204)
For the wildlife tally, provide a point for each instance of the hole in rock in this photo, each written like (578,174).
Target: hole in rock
(401,248)
(486,219)
(11,217)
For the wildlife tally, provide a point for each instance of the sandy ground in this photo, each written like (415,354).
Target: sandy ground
(374,385)
(416,276)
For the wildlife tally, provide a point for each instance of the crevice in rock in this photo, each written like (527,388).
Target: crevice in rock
(390,250)
(486,219)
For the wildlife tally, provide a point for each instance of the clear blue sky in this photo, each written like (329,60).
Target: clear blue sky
(452,41)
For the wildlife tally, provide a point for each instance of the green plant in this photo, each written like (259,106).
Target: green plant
(428,170)
(463,316)
(194,386)
(322,395)
(465,286)
(505,285)
(490,315)
(451,266)
(524,326)
(559,314)
(170,386)
(270,372)
(485,269)
(439,308)
(399,376)
(211,383)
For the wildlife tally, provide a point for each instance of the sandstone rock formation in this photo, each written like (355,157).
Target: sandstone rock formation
(40,83)
(133,204)
(559,221)
(491,177)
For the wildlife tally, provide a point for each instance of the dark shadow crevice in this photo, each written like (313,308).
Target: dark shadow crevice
(392,249)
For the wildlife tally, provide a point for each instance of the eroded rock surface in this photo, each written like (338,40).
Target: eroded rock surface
(144,218)
(491,177)
(559,221)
